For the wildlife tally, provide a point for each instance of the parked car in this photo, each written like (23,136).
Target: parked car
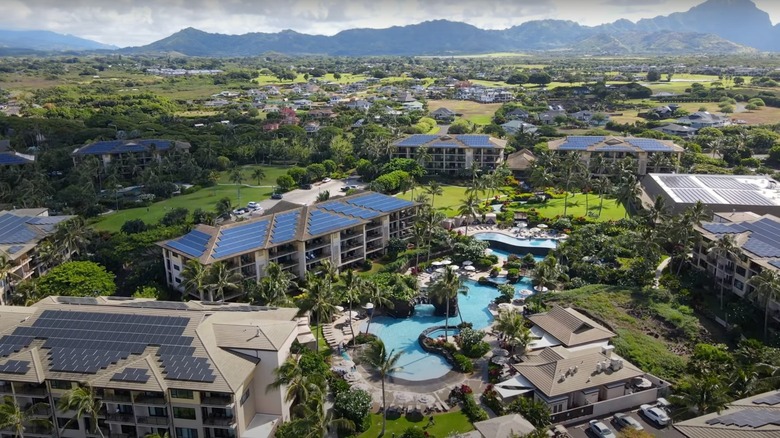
(240,211)
(625,421)
(253,205)
(600,429)
(326,180)
(306,186)
(277,196)
(655,414)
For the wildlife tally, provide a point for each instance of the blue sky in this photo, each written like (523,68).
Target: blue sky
(138,22)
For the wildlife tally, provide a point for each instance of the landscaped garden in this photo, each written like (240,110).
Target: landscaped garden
(444,425)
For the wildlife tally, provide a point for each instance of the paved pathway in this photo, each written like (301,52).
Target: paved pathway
(659,271)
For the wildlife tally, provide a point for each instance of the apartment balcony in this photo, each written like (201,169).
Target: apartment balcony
(281,254)
(120,435)
(316,246)
(353,259)
(6,389)
(117,398)
(153,421)
(102,433)
(150,400)
(31,390)
(221,401)
(348,237)
(373,226)
(218,421)
(373,248)
(355,245)
(120,418)
(289,264)
(316,259)
(34,431)
(373,237)
(43,410)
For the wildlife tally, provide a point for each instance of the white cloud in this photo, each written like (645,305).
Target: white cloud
(138,22)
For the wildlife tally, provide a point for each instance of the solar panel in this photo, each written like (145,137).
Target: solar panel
(321,222)
(139,375)
(122,146)
(748,418)
(691,196)
(649,145)
(379,202)
(445,145)
(679,182)
(770,400)
(10,158)
(241,238)
(188,368)
(574,143)
(77,300)
(416,140)
(725,182)
(476,141)
(193,243)
(14,230)
(15,367)
(284,227)
(775,263)
(743,197)
(764,240)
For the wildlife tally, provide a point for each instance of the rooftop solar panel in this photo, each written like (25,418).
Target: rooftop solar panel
(10,158)
(379,202)
(14,230)
(743,197)
(679,182)
(770,400)
(242,238)
(691,196)
(416,140)
(139,375)
(649,144)
(775,263)
(476,141)
(321,222)
(725,182)
(753,418)
(193,243)
(284,227)
(15,367)
(349,210)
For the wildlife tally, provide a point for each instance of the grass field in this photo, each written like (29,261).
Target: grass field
(479,113)
(271,173)
(447,203)
(445,424)
(554,207)
(204,198)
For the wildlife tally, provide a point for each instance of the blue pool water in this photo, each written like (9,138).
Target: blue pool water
(401,334)
(517,242)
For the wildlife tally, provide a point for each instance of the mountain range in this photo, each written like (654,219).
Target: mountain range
(45,40)
(713,27)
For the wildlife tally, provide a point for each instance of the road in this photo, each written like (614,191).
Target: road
(303,197)
(580,430)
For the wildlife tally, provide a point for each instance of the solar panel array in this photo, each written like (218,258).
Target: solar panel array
(350,210)
(14,249)
(753,418)
(77,300)
(193,243)
(379,202)
(85,342)
(445,145)
(10,158)
(417,140)
(775,263)
(579,143)
(716,182)
(770,400)
(241,238)
(476,141)
(743,197)
(15,367)
(615,148)
(14,229)
(679,182)
(764,238)
(123,146)
(284,227)
(168,305)
(649,145)
(691,196)
(321,222)
(138,375)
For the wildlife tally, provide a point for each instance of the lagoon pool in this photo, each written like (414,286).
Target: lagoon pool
(402,334)
(517,242)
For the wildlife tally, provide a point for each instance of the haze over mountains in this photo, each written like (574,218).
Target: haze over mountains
(715,26)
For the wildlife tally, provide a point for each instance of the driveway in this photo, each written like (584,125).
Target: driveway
(303,197)
(580,430)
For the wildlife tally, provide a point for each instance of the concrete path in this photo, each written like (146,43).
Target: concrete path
(659,271)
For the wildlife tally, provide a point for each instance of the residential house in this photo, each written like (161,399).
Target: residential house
(453,154)
(517,114)
(359,104)
(520,162)
(129,156)
(271,126)
(757,416)
(548,117)
(289,116)
(704,119)
(664,111)
(443,115)
(588,117)
(650,155)
(569,328)
(187,369)
(312,127)
(413,106)
(514,127)
(302,103)
(678,130)
(21,233)
(347,231)
(322,113)
(405,97)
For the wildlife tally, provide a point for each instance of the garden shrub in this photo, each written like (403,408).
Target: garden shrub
(354,405)
(471,343)
(472,410)
(337,384)
(491,400)
(513,275)
(415,432)
(463,364)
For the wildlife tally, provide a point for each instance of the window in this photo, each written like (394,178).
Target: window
(157,412)
(67,423)
(176,268)
(183,432)
(178,280)
(61,384)
(557,408)
(738,284)
(244,397)
(741,271)
(184,413)
(182,393)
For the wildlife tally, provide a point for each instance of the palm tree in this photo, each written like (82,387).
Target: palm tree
(447,289)
(222,279)
(432,221)
(512,328)
(658,213)
(351,291)
(374,294)
(224,207)
(547,273)
(72,236)
(14,418)
(378,359)
(237,178)
(299,385)
(258,174)
(273,287)
(195,277)
(627,192)
(419,233)
(725,248)
(84,401)
(702,395)
(469,208)
(434,189)
(766,286)
(602,185)
(571,168)
(319,300)
(698,212)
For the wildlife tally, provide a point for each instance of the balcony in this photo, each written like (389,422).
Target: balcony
(348,237)
(373,226)
(35,430)
(43,410)
(316,246)
(346,261)
(282,253)
(120,435)
(217,400)
(212,420)
(154,421)
(150,400)
(120,418)
(373,237)
(102,433)
(117,398)
(31,390)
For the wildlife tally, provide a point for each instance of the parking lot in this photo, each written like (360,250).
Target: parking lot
(581,430)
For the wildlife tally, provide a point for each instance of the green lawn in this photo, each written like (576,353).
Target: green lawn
(271,173)
(204,198)
(317,332)
(445,424)
(447,203)
(554,207)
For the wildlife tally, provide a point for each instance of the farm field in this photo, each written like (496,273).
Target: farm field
(479,113)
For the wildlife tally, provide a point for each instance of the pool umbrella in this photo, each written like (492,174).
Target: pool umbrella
(403,397)
(467,263)
(440,270)
(339,309)
(368,306)
(542,226)
(469,268)
(436,263)
(500,352)
(526,293)
(425,399)
(535,230)
(541,289)
(563,236)
(454,267)
(446,262)
(352,314)
(500,360)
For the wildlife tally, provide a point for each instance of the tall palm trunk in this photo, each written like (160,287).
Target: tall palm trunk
(384,408)
(447,319)
(351,325)
(601,201)
(319,330)
(370,317)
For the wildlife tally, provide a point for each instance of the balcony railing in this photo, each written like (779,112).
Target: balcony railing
(30,390)
(117,398)
(216,400)
(120,418)
(35,430)
(98,434)
(42,410)
(120,435)
(150,400)
(156,421)
(219,421)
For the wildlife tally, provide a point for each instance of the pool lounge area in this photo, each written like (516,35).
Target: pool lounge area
(517,245)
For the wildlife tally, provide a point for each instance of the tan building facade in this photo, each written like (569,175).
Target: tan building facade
(651,155)
(453,154)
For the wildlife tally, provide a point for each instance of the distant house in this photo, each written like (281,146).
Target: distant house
(520,162)
(271,126)
(312,127)
(321,113)
(360,105)
(302,103)
(129,155)
(413,106)
(406,97)
(289,116)
(517,114)
(678,130)
(587,117)
(704,119)
(548,117)
(514,127)
(358,123)
(443,115)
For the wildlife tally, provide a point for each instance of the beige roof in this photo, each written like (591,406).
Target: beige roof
(571,327)
(578,369)
(204,324)
(612,143)
(520,160)
(764,406)
(506,426)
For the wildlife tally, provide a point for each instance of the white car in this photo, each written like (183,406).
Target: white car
(600,429)
(326,180)
(253,206)
(625,421)
(655,414)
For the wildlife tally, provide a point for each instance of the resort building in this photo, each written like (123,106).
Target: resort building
(520,162)
(188,369)
(720,193)
(651,155)
(704,119)
(757,416)
(453,154)
(21,231)
(128,155)
(758,246)
(347,231)
(573,370)
(11,158)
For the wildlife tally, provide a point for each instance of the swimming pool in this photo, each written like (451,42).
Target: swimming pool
(504,244)
(401,334)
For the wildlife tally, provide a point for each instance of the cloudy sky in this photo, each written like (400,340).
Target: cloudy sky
(138,22)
